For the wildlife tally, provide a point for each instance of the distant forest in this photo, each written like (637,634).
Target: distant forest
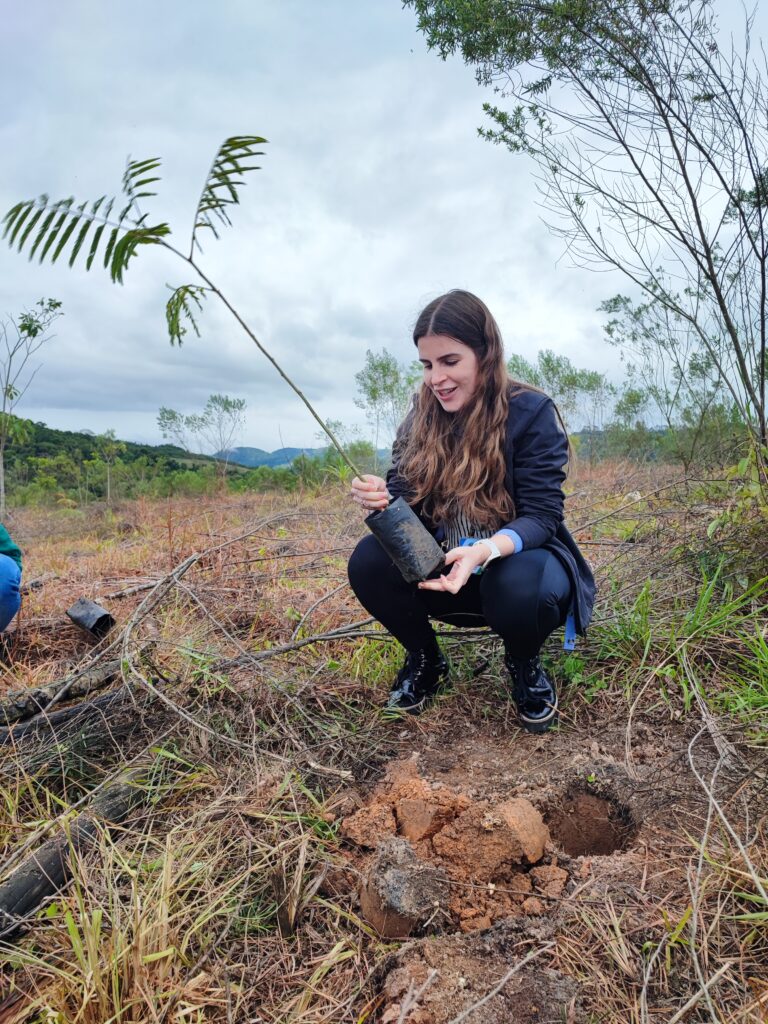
(67,468)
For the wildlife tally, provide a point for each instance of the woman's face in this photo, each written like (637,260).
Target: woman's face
(451,370)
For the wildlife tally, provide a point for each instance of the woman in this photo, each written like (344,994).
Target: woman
(481,459)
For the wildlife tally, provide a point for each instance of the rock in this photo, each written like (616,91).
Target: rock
(473,924)
(527,826)
(520,886)
(367,826)
(533,906)
(422,811)
(549,879)
(399,891)
(485,843)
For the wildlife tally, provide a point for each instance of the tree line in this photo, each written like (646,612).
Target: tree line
(672,405)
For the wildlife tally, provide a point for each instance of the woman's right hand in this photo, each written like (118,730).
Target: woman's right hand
(370,492)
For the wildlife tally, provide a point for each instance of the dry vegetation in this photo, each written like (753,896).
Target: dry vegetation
(246,720)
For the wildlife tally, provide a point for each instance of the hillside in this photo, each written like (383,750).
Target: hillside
(46,442)
(253,457)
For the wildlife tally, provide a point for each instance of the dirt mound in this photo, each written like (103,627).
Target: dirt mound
(434,981)
(485,841)
(481,850)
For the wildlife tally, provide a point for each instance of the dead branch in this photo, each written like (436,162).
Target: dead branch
(76,715)
(22,704)
(46,870)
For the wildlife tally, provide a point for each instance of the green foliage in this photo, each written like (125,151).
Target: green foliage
(677,374)
(215,428)
(574,391)
(129,231)
(180,308)
(225,179)
(19,343)
(50,226)
(636,115)
(385,390)
(45,228)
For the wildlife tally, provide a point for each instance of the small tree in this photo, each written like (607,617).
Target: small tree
(651,146)
(20,340)
(216,428)
(385,389)
(109,450)
(52,226)
(573,390)
(667,361)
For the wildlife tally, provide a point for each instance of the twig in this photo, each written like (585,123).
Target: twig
(312,607)
(721,814)
(38,582)
(131,590)
(704,990)
(412,998)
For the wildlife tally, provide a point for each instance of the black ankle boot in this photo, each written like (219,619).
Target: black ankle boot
(417,681)
(533,692)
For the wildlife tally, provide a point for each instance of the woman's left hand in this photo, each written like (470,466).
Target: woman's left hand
(462,561)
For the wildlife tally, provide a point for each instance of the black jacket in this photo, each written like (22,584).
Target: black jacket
(536,453)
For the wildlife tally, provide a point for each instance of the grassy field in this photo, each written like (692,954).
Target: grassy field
(244,716)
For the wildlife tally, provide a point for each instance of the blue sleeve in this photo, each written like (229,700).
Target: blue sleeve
(515,537)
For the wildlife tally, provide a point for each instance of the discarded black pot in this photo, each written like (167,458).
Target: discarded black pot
(406,540)
(91,617)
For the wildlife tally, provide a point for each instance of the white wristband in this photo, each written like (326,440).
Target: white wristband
(494,549)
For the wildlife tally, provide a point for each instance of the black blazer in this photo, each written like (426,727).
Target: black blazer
(536,453)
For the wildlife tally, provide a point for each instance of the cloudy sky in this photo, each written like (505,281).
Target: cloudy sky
(375,194)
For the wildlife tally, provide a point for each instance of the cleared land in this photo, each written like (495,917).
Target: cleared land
(615,870)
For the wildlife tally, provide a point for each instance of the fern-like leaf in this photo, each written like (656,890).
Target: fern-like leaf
(125,248)
(224,181)
(50,229)
(137,176)
(179,308)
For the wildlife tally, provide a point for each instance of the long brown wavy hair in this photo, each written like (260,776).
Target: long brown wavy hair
(454,462)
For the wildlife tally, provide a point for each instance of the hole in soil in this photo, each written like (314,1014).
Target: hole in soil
(585,824)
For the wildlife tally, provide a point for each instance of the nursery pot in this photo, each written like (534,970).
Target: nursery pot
(406,540)
(91,617)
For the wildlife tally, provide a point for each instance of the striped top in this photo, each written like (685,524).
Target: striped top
(461,527)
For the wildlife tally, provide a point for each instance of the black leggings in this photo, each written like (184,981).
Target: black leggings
(523,598)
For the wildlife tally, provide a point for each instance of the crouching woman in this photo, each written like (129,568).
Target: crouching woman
(10,578)
(481,459)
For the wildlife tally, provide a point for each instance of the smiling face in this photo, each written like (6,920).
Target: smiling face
(451,370)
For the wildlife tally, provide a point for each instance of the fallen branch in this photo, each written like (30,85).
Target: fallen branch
(312,607)
(22,704)
(77,714)
(46,871)
(38,582)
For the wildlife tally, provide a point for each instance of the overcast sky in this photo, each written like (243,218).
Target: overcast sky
(375,195)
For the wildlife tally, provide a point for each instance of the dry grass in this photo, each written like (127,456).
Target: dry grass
(212,906)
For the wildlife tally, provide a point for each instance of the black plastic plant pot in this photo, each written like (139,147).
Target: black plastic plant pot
(407,541)
(91,617)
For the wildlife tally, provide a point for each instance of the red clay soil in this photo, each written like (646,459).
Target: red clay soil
(534,835)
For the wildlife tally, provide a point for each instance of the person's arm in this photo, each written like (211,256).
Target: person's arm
(464,560)
(538,459)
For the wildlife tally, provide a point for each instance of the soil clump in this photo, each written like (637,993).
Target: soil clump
(457,863)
